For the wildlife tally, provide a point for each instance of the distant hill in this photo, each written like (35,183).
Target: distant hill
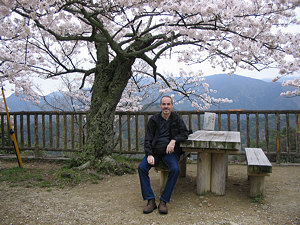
(249,93)
(16,104)
(246,93)
(282,78)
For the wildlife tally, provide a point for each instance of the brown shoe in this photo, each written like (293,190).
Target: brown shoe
(162,207)
(150,206)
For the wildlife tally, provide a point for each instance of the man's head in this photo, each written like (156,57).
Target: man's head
(166,105)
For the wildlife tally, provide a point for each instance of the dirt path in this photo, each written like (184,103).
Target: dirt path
(117,200)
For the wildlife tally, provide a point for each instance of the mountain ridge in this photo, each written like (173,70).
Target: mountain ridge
(250,93)
(246,93)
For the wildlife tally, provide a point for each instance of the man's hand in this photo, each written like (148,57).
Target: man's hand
(170,147)
(150,160)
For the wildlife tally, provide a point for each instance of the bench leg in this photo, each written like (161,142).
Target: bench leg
(163,180)
(257,185)
(182,167)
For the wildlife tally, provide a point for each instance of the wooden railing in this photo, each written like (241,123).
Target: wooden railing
(274,131)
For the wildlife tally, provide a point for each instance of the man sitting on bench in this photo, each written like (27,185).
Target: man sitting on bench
(165,130)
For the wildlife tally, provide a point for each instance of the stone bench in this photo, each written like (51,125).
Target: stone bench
(259,166)
(163,170)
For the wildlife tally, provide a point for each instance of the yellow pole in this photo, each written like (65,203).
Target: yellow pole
(12,134)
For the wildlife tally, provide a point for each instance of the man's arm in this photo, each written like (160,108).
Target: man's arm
(171,147)
(149,135)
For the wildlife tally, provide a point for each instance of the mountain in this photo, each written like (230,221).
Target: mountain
(282,79)
(249,93)
(246,93)
(17,103)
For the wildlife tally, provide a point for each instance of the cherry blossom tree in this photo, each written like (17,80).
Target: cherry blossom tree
(105,39)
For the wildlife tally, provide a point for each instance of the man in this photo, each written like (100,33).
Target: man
(165,131)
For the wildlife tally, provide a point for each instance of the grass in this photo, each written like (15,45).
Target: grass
(258,199)
(61,175)
(45,178)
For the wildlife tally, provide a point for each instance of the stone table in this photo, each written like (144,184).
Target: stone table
(212,148)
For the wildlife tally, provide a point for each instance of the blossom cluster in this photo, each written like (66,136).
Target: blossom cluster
(292,83)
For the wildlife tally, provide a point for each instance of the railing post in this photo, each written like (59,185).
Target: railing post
(129,133)
(50,131)
(8,132)
(228,122)
(238,125)
(248,130)
(277,138)
(37,153)
(145,123)
(16,126)
(199,121)
(21,130)
(80,134)
(297,133)
(267,133)
(2,131)
(137,132)
(120,133)
(219,121)
(57,131)
(72,132)
(44,130)
(65,132)
(257,129)
(28,131)
(190,122)
(287,122)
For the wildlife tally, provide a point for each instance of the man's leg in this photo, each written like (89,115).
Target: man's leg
(143,171)
(172,163)
(147,192)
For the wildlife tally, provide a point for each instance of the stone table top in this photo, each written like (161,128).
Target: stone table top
(213,140)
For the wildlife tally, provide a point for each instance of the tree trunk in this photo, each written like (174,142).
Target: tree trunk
(111,79)
(109,84)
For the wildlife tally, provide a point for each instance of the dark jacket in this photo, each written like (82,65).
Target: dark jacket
(178,132)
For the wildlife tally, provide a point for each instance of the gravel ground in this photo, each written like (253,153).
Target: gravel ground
(117,200)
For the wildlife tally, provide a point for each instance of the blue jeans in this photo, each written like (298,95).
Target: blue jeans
(171,162)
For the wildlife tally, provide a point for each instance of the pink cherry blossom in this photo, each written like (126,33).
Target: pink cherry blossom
(48,39)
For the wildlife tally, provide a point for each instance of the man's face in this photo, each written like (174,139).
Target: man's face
(166,105)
